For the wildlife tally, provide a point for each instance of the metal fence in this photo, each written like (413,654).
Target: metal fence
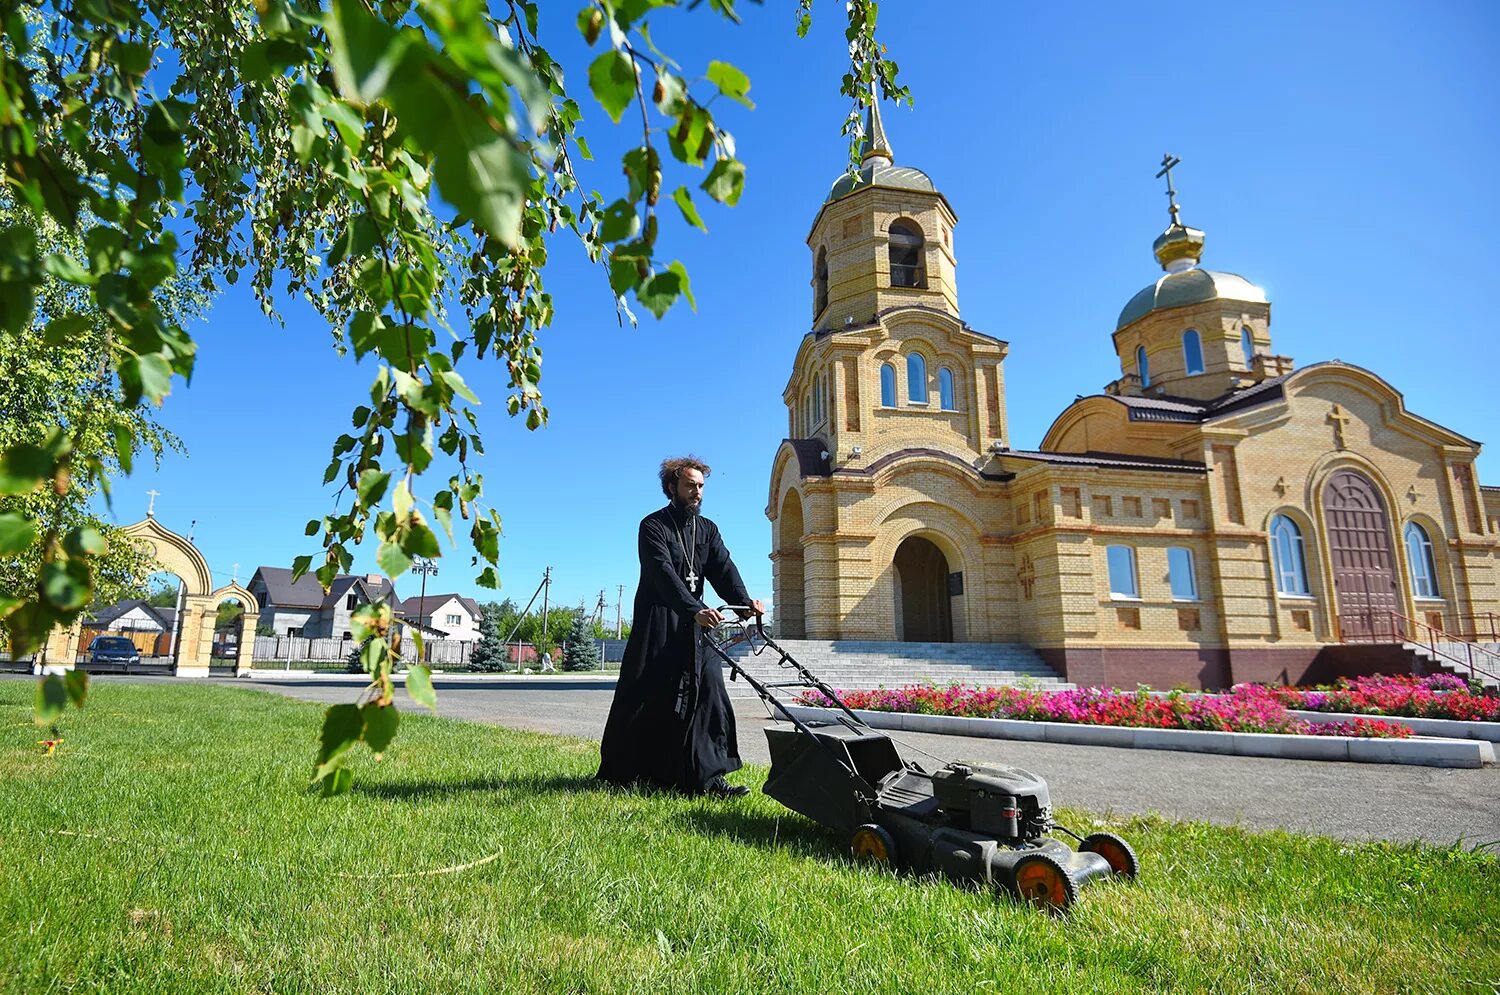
(270,650)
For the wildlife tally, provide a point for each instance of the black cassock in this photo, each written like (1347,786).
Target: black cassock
(671,724)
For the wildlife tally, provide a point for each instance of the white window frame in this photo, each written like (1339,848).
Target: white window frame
(1297,547)
(1188,573)
(1420,558)
(1134,594)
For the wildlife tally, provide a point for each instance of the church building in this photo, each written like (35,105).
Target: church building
(1215,515)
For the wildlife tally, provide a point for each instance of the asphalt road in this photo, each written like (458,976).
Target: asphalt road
(1343,800)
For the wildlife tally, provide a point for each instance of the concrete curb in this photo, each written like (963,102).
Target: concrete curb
(439,678)
(1488,732)
(1426,752)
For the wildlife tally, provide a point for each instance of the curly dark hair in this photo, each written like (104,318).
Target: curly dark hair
(670,468)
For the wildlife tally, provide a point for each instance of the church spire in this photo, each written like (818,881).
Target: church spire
(876,145)
(1179,247)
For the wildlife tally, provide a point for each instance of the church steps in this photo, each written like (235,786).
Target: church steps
(865,665)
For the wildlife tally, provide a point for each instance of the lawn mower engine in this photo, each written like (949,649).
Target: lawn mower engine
(1006,803)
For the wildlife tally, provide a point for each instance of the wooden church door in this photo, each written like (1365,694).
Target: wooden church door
(1364,575)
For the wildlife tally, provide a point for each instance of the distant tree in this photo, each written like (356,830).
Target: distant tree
(489,653)
(162,594)
(228,613)
(579,651)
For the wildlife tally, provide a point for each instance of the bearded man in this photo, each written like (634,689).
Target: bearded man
(671,724)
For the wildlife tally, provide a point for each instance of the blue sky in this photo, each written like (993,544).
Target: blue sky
(1339,155)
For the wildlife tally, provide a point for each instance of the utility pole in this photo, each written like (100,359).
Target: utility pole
(546,591)
(598,618)
(619,595)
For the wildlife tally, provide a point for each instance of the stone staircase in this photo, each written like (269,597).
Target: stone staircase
(1485,656)
(847,664)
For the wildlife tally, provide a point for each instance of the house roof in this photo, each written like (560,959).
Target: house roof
(418,607)
(166,617)
(306,592)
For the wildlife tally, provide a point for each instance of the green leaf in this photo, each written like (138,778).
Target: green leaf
(63,587)
(372,486)
(124,446)
(314,526)
(147,376)
(339,783)
(682,275)
(84,541)
(419,686)
(77,684)
(459,387)
(342,727)
(24,467)
(419,539)
(659,292)
(16,533)
(689,210)
(60,331)
(401,501)
(300,566)
(392,559)
(488,578)
(51,698)
(726,181)
(67,269)
(612,79)
(730,81)
(381,723)
(620,221)
(365,51)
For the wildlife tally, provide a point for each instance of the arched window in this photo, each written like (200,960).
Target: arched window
(906,255)
(888,385)
(1247,346)
(916,378)
(1286,556)
(1192,352)
(1142,368)
(817,398)
(1419,554)
(945,389)
(820,283)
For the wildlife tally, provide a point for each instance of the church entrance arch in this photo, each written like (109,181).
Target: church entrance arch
(791,606)
(1359,545)
(923,606)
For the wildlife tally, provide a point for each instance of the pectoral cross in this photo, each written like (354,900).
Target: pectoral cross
(150,508)
(692,578)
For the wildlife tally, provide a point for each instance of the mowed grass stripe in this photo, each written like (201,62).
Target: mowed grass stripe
(209,867)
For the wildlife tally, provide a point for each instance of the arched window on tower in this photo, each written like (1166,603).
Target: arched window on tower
(820,283)
(1247,346)
(1192,352)
(1419,555)
(945,389)
(888,385)
(916,378)
(906,248)
(1287,556)
(1142,367)
(817,398)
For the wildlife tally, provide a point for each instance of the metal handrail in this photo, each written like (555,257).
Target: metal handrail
(1400,628)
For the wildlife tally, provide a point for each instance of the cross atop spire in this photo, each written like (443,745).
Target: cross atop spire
(877,145)
(151,508)
(1167,162)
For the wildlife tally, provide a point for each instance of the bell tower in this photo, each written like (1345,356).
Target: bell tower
(883,239)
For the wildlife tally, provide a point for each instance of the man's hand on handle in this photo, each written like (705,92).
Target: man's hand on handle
(708,618)
(756,608)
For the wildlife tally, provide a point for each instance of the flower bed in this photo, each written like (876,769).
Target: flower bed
(1249,708)
(1437,696)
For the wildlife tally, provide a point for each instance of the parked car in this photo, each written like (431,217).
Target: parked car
(113,649)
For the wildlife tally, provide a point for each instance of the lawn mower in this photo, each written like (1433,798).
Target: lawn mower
(988,824)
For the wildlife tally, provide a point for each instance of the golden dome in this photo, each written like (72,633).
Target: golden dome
(1179,247)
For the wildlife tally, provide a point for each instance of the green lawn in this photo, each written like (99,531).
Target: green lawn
(170,846)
